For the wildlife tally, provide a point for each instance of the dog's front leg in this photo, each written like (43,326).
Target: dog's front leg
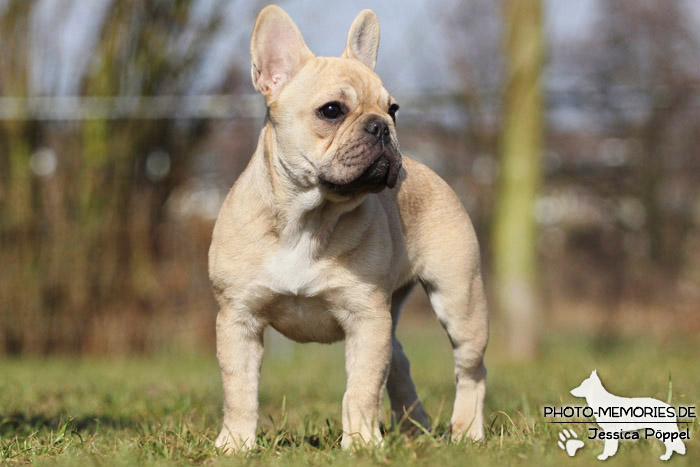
(239,347)
(367,356)
(609,449)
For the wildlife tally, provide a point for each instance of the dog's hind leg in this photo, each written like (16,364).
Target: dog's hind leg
(669,451)
(405,404)
(679,446)
(452,280)
(462,312)
(457,296)
(672,446)
(444,254)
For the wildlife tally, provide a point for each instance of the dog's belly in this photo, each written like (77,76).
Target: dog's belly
(304,319)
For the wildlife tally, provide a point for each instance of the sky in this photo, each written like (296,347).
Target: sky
(412,54)
(414,39)
(416,52)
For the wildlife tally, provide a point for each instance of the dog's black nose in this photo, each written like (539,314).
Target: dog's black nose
(378,128)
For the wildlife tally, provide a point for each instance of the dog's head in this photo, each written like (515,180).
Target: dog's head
(333,120)
(584,389)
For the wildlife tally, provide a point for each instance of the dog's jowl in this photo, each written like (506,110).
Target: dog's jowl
(327,230)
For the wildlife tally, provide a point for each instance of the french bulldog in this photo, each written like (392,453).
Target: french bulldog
(326,232)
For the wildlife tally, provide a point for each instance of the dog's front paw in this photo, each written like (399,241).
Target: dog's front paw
(229,444)
(602,457)
(473,431)
(356,440)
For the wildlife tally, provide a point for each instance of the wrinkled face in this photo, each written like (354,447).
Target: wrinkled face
(335,123)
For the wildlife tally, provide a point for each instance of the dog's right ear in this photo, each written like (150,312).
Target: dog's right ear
(278,51)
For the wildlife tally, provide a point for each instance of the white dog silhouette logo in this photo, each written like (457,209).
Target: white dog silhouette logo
(617,415)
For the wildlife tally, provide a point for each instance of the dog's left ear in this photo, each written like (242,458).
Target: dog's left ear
(363,39)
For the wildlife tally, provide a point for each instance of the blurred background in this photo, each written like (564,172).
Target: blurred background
(569,129)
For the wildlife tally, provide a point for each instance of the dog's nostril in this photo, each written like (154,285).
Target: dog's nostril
(377,128)
(373,128)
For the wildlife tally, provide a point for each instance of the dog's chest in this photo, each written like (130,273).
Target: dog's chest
(295,283)
(291,270)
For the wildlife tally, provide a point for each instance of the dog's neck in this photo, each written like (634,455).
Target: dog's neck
(301,210)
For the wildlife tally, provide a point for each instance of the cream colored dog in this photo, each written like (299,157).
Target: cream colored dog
(327,230)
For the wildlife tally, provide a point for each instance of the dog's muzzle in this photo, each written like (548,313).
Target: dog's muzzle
(382,172)
(368,162)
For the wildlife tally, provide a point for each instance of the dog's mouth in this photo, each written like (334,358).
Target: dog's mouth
(383,172)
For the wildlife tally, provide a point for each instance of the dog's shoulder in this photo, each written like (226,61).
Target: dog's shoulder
(244,232)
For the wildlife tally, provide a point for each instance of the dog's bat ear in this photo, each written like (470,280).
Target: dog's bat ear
(363,39)
(278,51)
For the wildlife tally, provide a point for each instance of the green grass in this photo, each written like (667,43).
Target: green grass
(166,409)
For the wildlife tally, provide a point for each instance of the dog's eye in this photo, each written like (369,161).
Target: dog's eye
(392,111)
(331,111)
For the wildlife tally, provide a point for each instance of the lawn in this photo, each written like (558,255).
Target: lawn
(166,409)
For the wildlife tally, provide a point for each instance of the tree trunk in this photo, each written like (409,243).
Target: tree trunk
(514,230)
